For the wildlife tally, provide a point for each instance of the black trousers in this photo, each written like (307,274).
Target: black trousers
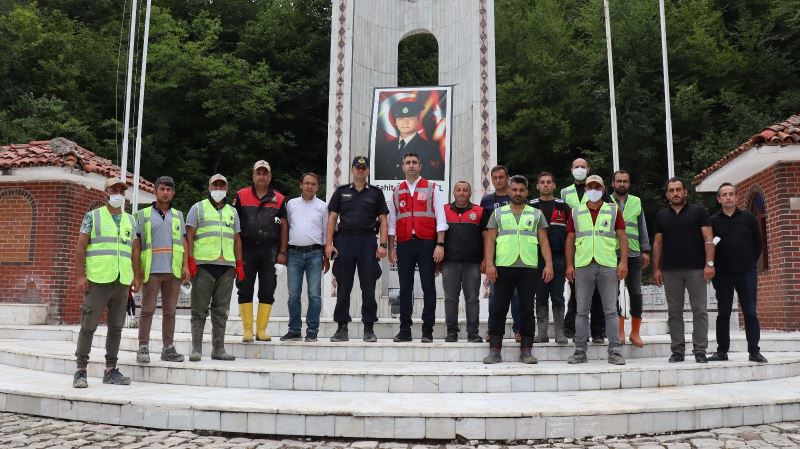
(258,260)
(597,323)
(746,286)
(356,252)
(524,281)
(411,254)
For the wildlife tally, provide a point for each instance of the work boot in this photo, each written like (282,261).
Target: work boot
(341,333)
(616,359)
(369,333)
(79,380)
(451,337)
(558,323)
(525,348)
(621,330)
(246,312)
(474,338)
(197,342)
(262,321)
(169,354)
(143,354)
(636,339)
(114,377)
(427,336)
(495,347)
(577,357)
(541,324)
(402,336)
(218,345)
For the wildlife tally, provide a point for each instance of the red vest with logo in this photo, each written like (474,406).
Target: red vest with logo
(415,215)
(259,217)
(464,239)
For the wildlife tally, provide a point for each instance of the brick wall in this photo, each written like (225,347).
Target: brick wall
(40,223)
(779,284)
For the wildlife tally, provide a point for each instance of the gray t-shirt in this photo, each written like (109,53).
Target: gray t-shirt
(541,223)
(191,220)
(161,234)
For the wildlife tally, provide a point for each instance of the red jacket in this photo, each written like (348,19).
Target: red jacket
(415,214)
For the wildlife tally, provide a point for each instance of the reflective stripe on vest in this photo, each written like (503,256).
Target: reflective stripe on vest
(595,241)
(108,255)
(570,196)
(147,243)
(415,213)
(213,239)
(630,213)
(517,240)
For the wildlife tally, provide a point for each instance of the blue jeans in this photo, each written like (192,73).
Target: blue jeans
(309,262)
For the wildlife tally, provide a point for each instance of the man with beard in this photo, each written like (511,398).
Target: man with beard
(511,254)
(389,160)
(683,259)
(638,252)
(574,195)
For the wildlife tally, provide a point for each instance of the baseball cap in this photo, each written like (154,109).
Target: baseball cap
(595,178)
(262,164)
(360,161)
(217,177)
(165,180)
(406,109)
(115,181)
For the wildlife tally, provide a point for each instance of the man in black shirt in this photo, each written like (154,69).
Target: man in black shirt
(737,252)
(555,211)
(683,259)
(356,207)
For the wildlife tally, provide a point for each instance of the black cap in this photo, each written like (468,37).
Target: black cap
(406,109)
(360,160)
(165,180)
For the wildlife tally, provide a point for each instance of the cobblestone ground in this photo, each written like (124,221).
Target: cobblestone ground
(35,432)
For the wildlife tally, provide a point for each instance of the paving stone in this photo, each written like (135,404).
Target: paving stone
(365,444)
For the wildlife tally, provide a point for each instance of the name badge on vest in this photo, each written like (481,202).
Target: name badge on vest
(421,196)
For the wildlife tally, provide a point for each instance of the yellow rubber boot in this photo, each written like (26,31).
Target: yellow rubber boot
(246,312)
(622,330)
(262,320)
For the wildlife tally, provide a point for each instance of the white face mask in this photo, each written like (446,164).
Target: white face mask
(218,195)
(594,195)
(579,173)
(116,200)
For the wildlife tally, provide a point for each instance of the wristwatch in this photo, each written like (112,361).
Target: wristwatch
(383,245)
(439,243)
(710,263)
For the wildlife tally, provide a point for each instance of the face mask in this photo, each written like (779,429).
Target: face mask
(594,195)
(116,201)
(579,173)
(218,195)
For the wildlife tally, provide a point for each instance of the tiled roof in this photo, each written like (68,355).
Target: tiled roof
(60,152)
(786,132)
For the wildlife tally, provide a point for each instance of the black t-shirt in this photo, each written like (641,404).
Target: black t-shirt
(358,210)
(492,201)
(740,242)
(683,247)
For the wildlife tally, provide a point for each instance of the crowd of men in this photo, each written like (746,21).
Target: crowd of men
(592,238)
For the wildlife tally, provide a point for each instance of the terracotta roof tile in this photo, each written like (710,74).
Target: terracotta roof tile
(786,132)
(60,152)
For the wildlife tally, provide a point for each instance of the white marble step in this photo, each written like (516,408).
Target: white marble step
(402,377)
(496,416)
(438,351)
(388,328)
(37,332)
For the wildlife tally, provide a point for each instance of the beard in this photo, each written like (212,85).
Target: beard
(622,191)
(518,200)
(677,201)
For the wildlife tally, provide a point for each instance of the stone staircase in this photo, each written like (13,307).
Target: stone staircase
(400,391)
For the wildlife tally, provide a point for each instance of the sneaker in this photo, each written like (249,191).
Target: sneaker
(79,380)
(292,336)
(578,357)
(143,354)
(718,357)
(474,338)
(169,354)
(427,337)
(452,337)
(402,336)
(311,338)
(700,357)
(676,357)
(114,377)
(598,340)
(757,357)
(492,358)
(616,359)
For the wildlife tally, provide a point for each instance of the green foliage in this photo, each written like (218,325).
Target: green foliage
(418,61)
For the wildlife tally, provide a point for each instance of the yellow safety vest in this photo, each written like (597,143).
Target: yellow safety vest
(596,240)
(517,240)
(570,195)
(147,242)
(108,255)
(213,240)
(630,213)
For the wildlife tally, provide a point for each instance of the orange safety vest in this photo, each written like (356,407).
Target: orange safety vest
(415,215)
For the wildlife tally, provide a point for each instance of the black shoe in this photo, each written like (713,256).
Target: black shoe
(700,357)
(676,357)
(369,333)
(292,336)
(758,358)
(598,340)
(79,380)
(341,333)
(311,338)
(718,357)
(427,337)
(402,336)
(114,377)
(452,337)
(569,333)
(474,338)
(577,357)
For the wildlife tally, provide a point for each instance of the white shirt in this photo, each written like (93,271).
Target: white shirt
(307,221)
(438,207)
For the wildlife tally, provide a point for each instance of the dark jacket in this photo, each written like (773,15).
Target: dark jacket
(557,224)
(260,217)
(463,241)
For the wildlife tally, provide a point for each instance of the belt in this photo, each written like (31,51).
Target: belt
(305,248)
(356,231)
